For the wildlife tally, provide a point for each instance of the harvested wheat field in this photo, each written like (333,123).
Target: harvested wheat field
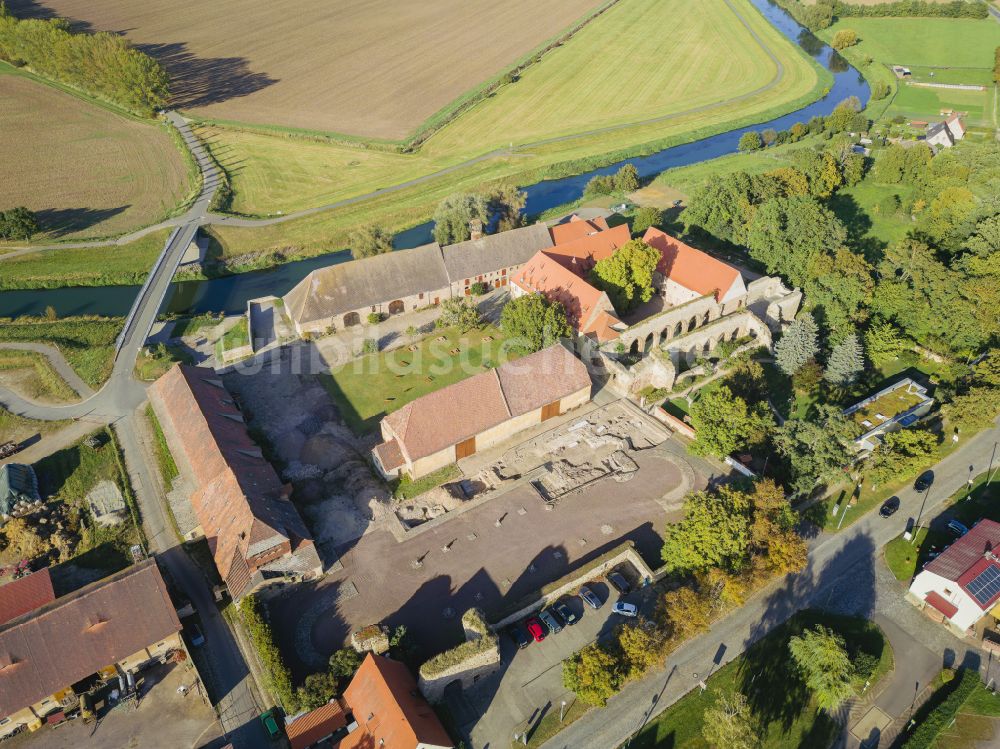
(374,68)
(84,170)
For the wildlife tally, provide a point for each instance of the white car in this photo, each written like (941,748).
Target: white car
(625,609)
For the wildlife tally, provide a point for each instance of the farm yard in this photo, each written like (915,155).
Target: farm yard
(93,172)
(376,69)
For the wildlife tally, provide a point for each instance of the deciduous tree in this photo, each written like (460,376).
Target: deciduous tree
(821,656)
(18,223)
(460,313)
(901,452)
(817,448)
(646,217)
(883,343)
(627,276)
(594,674)
(731,724)
(715,532)
(725,423)
(370,240)
(453,214)
(532,322)
(627,179)
(751,141)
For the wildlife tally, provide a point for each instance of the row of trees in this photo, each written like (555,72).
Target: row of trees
(501,206)
(103,64)
(821,14)
(846,116)
(18,223)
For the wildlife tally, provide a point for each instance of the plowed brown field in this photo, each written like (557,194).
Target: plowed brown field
(373,68)
(86,171)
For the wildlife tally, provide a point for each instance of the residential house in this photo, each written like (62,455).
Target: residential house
(479,412)
(107,629)
(18,484)
(946,133)
(962,584)
(256,535)
(388,711)
(895,407)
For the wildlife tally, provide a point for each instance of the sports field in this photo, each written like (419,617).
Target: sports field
(640,60)
(85,170)
(376,68)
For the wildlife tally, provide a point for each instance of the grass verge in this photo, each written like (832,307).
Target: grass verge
(31,374)
(88,343)
(407,488)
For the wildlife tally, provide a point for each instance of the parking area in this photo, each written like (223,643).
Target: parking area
(528,687)
(170,713)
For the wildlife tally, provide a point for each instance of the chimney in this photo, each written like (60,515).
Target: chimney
(475,229)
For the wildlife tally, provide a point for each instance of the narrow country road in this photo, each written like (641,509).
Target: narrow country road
(831,577)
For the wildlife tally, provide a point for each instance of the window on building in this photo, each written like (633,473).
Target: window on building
(503,272)
(467,281)
(420,295)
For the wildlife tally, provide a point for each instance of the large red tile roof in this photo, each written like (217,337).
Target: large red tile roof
(543,275)
(580,255)
(576,227)
(471,406)
(25,594)
(72,637)
(240,502)
(390,712)
(307,729)
(967,551)
(691,268)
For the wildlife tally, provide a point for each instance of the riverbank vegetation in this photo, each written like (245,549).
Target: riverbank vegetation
(113,265)
(88,343)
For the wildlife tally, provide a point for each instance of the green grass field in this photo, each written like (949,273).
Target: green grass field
(32,375)
(956,50)
(612,72)
(367,388)
(17,428)
(117,265)
(86,342)
(765,674)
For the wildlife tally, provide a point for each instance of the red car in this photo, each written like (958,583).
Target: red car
(535,628)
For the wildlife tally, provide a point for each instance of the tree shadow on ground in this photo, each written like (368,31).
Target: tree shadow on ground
(201,81)
(61,221)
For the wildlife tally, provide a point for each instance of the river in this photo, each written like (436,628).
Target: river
(230,294)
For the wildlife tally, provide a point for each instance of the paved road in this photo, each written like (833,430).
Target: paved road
(830,580)
(58,362)
(116,402)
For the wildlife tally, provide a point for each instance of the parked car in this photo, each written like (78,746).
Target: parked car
(617,581)
(957,528)
(625,609)
(924,481)
(551,620)
(195,635)
(518,636)
(568,615)
(590,598)
(889,507)
(535,628)
(270,723)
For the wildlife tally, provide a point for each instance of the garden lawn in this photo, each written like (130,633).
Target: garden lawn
(32,375)
(858,207)
(115,265)
(904,557)
(983,501)
(766,675)
(369,387)
(88,343)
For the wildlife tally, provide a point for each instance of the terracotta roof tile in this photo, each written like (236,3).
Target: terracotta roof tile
(967,551)
(317,724)
(389,710)
(691,268)
(543,275)
(540,378)
(576,227)
(74,636)
(582,254)
(25,594)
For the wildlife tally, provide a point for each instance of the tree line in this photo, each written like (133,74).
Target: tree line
(822,13)
(104,65)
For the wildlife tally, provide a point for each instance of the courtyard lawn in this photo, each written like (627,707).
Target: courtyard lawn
(860,210)
(369,387)
(765,674)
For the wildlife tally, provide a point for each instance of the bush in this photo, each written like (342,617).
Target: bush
(479,288)
(276,673)
(645,218)
(941,709)
(880,90)
(374,318)
(370,346)
(845,38)
(751,141)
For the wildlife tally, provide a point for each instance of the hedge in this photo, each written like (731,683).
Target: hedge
(941,709)
(276,673)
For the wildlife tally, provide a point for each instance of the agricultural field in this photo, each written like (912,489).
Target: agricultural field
(114,265)
(687,87)
(372,68)
(92,172)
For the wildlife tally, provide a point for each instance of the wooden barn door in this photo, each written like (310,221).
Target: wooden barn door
(465,448)
(550,410)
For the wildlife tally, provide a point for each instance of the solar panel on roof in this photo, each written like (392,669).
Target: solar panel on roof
(985,586)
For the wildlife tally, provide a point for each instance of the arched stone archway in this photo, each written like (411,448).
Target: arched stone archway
(634,348)
(735,335)
(351,318)
(396,306)
(707,317)
(692,324)
(648,344)
(707,347)
(664,334)
(678,329)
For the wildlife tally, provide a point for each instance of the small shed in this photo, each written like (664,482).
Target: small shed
(18,483)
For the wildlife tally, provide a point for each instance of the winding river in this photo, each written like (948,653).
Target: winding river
(230,294)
